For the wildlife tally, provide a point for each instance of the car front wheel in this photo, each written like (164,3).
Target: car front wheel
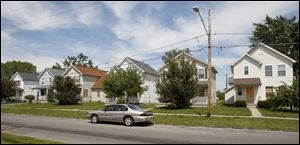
(128,121)
(94,119)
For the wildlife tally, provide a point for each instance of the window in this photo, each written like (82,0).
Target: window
(201,74)
(281,70)
(268,70)
(98,93)
(240,91)
(109,108)
(120,108)
(85,93)
(134,107)
(269,91)
(50,81)
(76,78)
(17,83)
(42,81)
(246,70)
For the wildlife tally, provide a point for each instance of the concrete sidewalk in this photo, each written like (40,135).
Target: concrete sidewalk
(256,114)
(254,111)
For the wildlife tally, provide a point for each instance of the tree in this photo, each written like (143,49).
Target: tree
(67,92)
(220,95)
(279,30)
(172,53)
(57,66)
(11,67)
(120,81)
(8,89)
(80,59)
(179,84)
(114,85)
(286,96)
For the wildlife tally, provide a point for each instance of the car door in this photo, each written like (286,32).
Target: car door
(119,113)
(107,114)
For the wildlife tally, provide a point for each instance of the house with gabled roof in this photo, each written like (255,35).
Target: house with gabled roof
(24,84)
(90,81)
(202,69)
(150,77)
(46,78)
(256,74)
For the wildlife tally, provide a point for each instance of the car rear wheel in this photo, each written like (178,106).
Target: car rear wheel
(94,119)
(128,121)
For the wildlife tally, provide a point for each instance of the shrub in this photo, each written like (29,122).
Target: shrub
(264,104)
(121,100)
(240,103)
(29,98)
(172,106)
(51,96)
(67,91)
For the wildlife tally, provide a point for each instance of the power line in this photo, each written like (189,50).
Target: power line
(153,49)
(245,33)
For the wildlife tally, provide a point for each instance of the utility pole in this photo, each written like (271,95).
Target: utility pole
(209,67)
(209,76)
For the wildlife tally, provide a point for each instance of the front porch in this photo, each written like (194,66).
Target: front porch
(42,92)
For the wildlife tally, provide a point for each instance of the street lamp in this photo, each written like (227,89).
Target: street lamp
(208,33)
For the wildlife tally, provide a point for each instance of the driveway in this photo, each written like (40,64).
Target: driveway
(82,131)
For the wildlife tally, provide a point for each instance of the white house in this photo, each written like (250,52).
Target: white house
(202,68)
(256,74)
(150,77)
(46,78)
(90,81)
(24,83)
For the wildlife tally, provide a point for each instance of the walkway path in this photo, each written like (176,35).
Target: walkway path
(254,111)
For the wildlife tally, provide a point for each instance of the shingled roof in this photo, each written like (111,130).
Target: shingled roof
(28,76)
(90,71)
(55,72)
(247,81)
(145,67)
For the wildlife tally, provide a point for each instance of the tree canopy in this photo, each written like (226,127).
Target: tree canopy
(179,83)
(172,53)
(80,59)
(11,67)
(7,89)
(280,33)
(67,92)
(120,81)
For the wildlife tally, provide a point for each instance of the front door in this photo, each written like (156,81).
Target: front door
(250,94)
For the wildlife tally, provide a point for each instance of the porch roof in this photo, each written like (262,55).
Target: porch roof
(247,81)
(41,87)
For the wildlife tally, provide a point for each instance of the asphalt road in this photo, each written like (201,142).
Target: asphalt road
(82,131)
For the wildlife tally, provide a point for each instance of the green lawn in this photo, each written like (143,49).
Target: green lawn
(226,122)
(16,139)
(47,112)
(80,106)
(275,113)
(216,110)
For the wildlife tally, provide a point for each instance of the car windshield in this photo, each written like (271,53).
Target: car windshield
(134,107)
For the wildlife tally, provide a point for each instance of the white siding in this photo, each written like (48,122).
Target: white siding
(88,82)
(102,96)
(253,67)
(269,57)
(45,78)
(266,57)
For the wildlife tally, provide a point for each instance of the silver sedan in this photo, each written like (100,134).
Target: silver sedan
(127,113)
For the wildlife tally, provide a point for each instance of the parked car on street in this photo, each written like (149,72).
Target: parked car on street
(127,113)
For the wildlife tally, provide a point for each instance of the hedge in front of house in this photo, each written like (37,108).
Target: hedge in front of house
(240,103)
(29,98)
(264,104)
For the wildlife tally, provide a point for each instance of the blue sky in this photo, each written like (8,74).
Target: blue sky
(44,33)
